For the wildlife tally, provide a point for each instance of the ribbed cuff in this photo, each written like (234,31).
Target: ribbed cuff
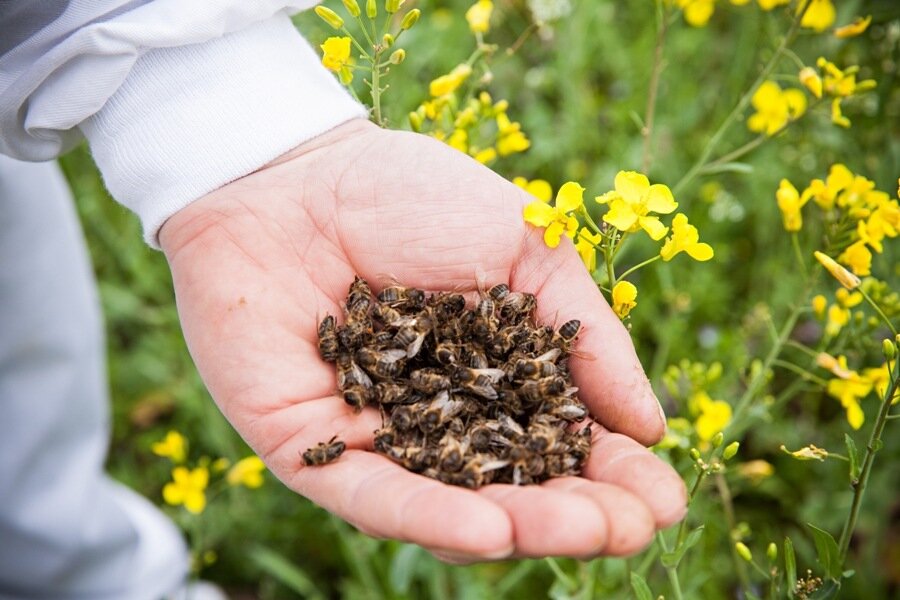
(190,119)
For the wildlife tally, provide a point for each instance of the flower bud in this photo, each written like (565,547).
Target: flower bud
(889,349)
(811,81)
(371,9)
(392,6)
(352,7)
(330,17)
(845,277)
(743,551)
(730,450)
(772,552)
(718,439)
(415,121)
(345,75)
(387,40)
(410,19)
(695,454)
(397,56)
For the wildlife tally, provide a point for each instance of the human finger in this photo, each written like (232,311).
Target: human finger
(384,500)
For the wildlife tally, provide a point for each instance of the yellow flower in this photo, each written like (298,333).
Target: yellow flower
(845,277)
(632,202)
(557,219)
(819,16)
(485,156)
(768,5)
(858,26)
(825,193)
(842,83)
(685,238)
(585,244)
(858,257)
(811,452)
(479,16)
(538,188)
(624,297)
(510,139)
(849,392)
(459,140)
(790,203)
(247,471)
(810,79)
(837,117)
(837,366)
(449,83)
(187,488)
(173,446)
(880,379)
(336,53)
(697,12)
(775,108)
(714,415)
(819,303)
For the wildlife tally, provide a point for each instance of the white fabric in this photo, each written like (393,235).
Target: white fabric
(176,97)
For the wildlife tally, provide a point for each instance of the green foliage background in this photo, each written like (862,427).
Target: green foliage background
(576,87)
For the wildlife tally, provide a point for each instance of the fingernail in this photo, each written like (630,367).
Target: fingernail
(499,554)
(662,414)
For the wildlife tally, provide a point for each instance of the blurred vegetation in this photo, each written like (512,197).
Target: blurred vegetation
(578,85)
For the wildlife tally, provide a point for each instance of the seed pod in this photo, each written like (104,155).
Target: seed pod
(330,17)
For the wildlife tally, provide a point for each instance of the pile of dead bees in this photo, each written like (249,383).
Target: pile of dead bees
(468,396)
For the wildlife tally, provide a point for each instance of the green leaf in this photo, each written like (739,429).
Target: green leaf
(403,567)
(640,587)
(827,551)
(671,560)
(827,591)
(286,572)
(853,455)
(790,566)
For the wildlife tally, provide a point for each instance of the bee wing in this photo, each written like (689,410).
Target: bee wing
(492,465)
(494,375)
(360,376)
(413,348)
(392,356)
(550,355)
(482,387)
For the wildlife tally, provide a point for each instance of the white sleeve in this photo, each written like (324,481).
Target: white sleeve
(175,97)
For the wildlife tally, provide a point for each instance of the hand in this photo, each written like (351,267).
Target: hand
(257,264)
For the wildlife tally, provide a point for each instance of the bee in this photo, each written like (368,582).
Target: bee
(478,381)
(441,409)
(412,334)
(445,306)
(510,429)
(355,333)
(419,459)
(498,292)
(535,390)
(453,453)
(388,316)
(486,436)
(384,439)
(516,307)
(398,297)
(446,353)
(429,380)
(544,438)
(564,337)
(353,382)
(387,392)
(328,339)
(580,443)
(359,299)
(385,364)
(403,418)
(476,358)
(537,368)
(565,408)
(324,452)
(478,471)
(527,466)
(561,465)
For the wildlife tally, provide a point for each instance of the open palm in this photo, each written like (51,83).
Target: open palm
(259,262)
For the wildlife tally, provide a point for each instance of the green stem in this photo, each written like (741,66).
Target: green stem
(756,383)
(560,574)
(859,486)
(357,44)
(880,313)
(650,112)
(638,266)
(728,509)
(743,102)
(798,254)
(671,572)
(800,371)
(376,91)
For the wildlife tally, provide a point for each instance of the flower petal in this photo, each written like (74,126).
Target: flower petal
(620,215)
(552,234)
(539,213)
(631,185)
(660,199)
(700,251)
(654,228)
(569,197)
